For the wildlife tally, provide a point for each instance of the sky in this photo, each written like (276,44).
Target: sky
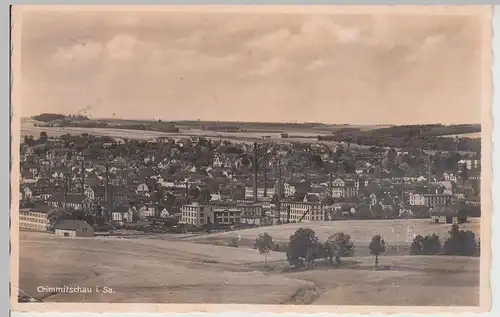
(300,67)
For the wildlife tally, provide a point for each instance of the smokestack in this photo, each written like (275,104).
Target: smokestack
(106,190)
(429,167)
(69,182)
(330,185)
(255,172)
(66,192)
(265,181)
(83,175)
(280,188)
(403,193)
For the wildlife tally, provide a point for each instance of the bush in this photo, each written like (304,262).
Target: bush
(428,245)
(235,242)
(460,242)
(346,246)
(279,247)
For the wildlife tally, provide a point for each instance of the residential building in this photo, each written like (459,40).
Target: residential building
(450,177)
(345,189)
(124,213)
(142,189)
(262,191)
(290,188)
(471,163)
(417,199)
(74,228)
(146,211)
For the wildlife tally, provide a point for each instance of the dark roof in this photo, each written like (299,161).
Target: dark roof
(121,209)
(42,209)
(71,198)
(312,198)
(449,210)
(26,174)
(318,189)
(71,224)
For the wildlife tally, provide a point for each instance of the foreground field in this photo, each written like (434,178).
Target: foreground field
(156,271)
(398,233)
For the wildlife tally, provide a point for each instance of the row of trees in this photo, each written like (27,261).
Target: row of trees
(304,246)
(415,136)
(459,242)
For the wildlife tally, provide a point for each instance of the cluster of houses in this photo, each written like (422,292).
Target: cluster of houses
(164,187)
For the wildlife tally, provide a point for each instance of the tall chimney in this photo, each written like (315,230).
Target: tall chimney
(106,190)
(66,191)
(429,167)
(280,190)
(265,181)
(83,174)
(330,185)
(255,172)
(403,193)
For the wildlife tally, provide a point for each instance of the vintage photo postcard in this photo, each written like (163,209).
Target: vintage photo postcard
(251,158)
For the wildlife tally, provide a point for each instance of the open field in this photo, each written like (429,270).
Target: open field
(28,128)
(465,135)
(157,271)
(398,233)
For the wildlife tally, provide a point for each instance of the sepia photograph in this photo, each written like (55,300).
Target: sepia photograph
(287,156)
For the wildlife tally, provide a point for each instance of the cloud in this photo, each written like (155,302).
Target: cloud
(142,64)
(326,27)
(121,47)
(270,67)
(320,65)
(81,51)
(314,35)
(428,48)
(148,55)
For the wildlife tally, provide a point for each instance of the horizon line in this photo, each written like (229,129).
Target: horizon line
(274,122)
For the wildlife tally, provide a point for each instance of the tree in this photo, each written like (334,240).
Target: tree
(377,211)
(317,161)
(264,243)
(377,247)
(460,242)
(235,242)
(245,162)
(43,136)
(339,245)
(204,196)
(29,140)
(428,245)
(301,246)
(57,215)
(194,192)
